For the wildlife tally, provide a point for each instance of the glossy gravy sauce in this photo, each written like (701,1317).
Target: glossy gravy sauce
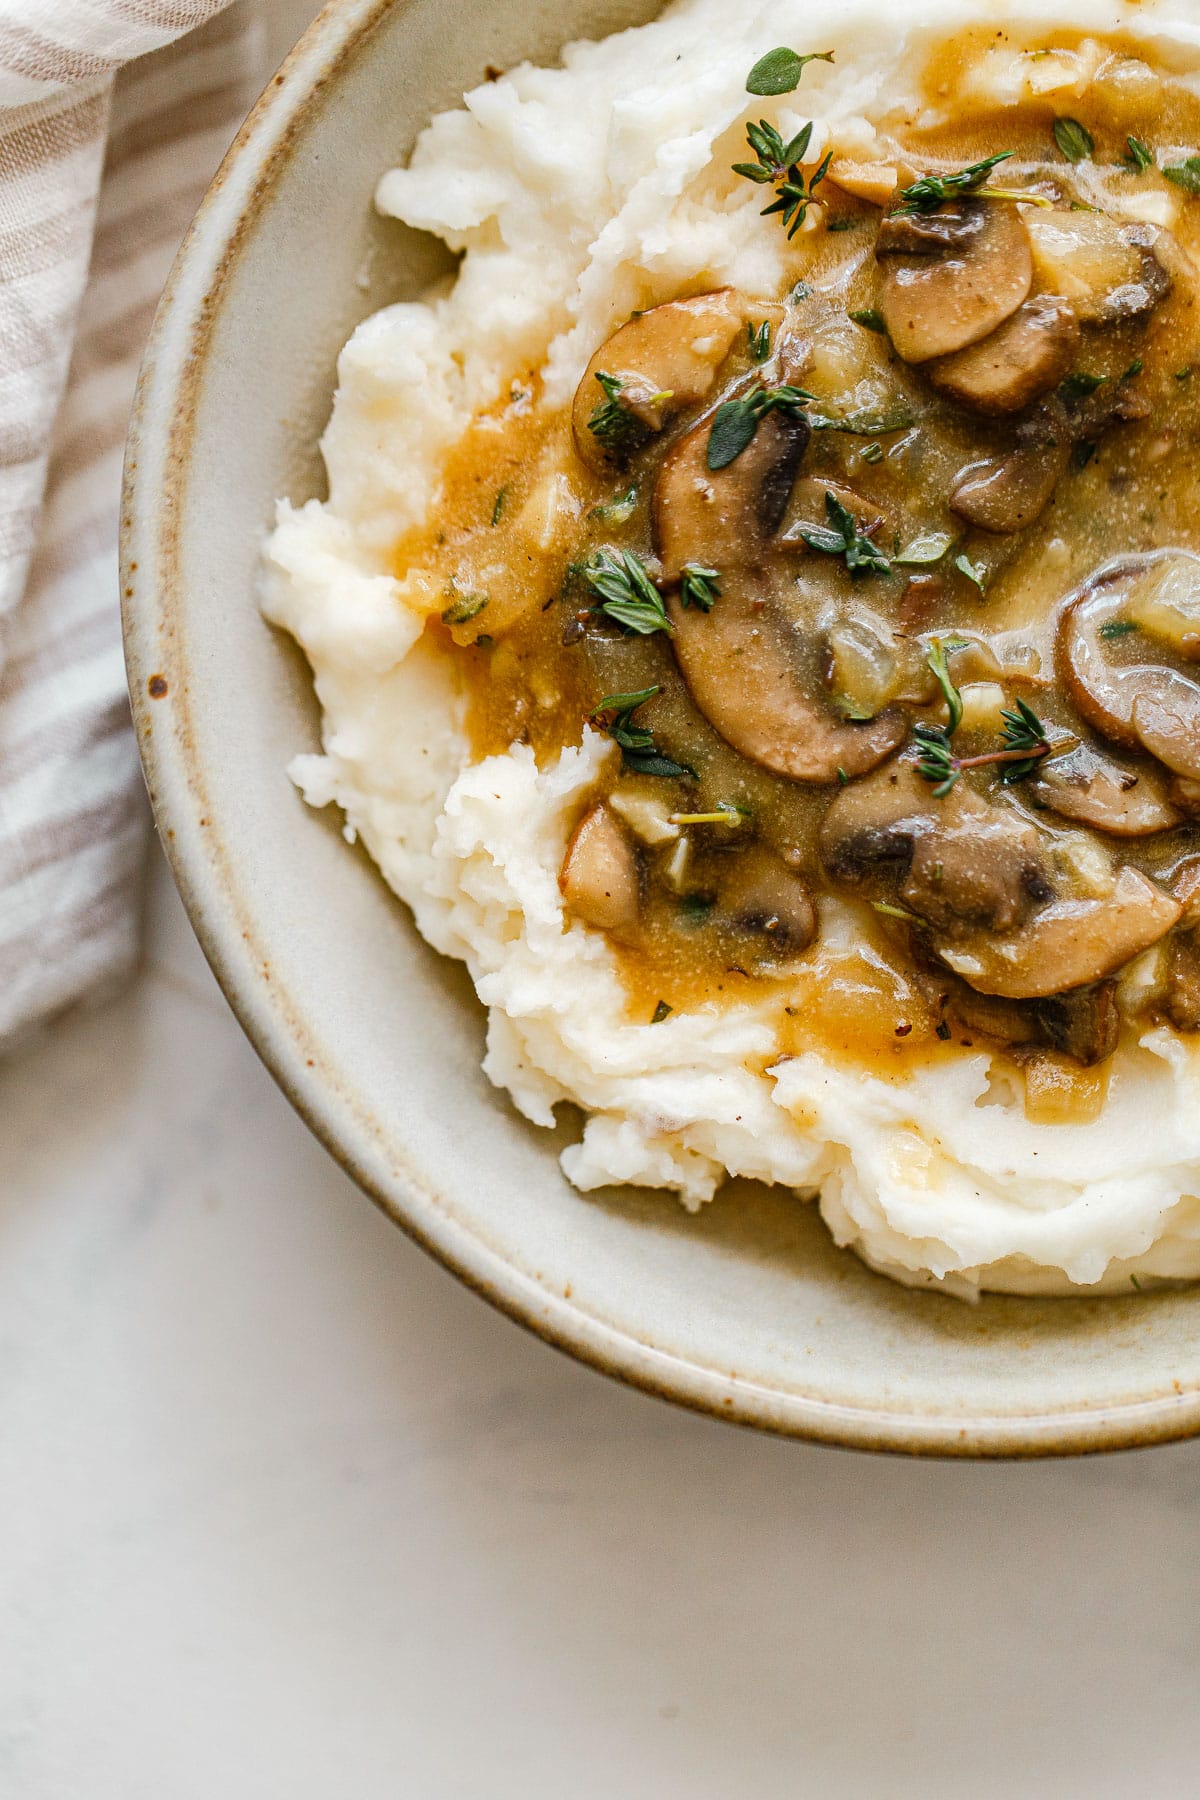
(521,513)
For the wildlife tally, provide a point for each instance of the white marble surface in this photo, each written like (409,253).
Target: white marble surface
(286,1512)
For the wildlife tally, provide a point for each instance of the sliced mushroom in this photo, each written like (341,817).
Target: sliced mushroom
(1182,1000)
(978,866)
(754,675)
(665,359)
(962,862)
(1007,493)
(725,517)
(973,272)
(1105,656)
(1067,944)
(599,876)
(1025,357)
(1108,795)
(752,667)
(1083,1023)
(759,894)
(1109,270)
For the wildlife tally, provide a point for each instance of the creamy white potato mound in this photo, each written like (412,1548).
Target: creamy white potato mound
(576,195)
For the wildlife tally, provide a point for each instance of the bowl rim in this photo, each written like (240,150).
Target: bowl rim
(153,499)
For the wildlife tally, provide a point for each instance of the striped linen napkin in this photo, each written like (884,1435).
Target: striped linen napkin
(109,132)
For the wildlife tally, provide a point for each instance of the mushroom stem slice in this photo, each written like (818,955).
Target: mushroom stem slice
(1068,944)
(599,877)
(952,292)
(664,359)
(1022,359)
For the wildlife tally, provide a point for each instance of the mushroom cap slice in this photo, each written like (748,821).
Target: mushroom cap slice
(1007,493)
(753,671)
(934,304)
(666,359)
(1107,795)
(599,877)
(1105,656)
(755,677)
(964,863)
(1068,944)
(725,518)
(1022,359)
(1108,269)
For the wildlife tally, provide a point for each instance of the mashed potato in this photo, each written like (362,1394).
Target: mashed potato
(577,194)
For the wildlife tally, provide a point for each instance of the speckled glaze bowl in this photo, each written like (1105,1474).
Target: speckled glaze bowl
(747,1310)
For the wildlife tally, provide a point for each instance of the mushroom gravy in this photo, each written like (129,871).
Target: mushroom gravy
(888,589)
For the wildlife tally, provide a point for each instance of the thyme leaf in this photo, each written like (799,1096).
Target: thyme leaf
(463,607)
(974,572)
(926,548)
(939,649)
(1074,140)
(870,318)
(498,504)
(758,341)
(1141,156)
(662,1011)
(700,587)
(779,71)
(1081,383)
(1185,174)
(627,594)
(736,421)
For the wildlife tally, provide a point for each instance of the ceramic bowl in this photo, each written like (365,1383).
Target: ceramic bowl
(747,1310)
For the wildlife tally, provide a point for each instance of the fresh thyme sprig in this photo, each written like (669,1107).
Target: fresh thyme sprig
(700,587)
(928,193)
(939,649)
(736,421)
(615,425)
(639,752)
(627,594)
(779,164)
(1024,736)
(843,538)
(758,340)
